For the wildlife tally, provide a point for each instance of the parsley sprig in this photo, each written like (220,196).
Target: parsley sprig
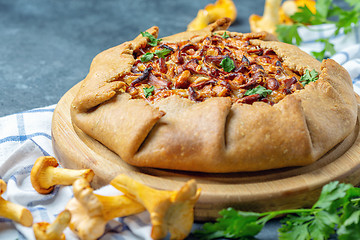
(227,64)
(152,40)
(309,77)
(160,53)
(326,13)
(225,35)
(262,91)
(337,211)
(148,91)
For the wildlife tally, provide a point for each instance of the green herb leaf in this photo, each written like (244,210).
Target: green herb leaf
(323,225)
(350,229)
(354,3)
(262,91)
(162,53)
(309,77)
(326,52)
(346,20)
(294,231)
(331,194)
(148,91)
(153,41)
(289,33)
(322,7)
(305,16)
(225,35)
(326,12)
(147,57)
(227,64)
(338,207)
(232,224)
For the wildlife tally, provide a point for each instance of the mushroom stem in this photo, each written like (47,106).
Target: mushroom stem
(119,206)
(271,11)
(170,211)
(60,223)
(84,194)
(269,20)
(45,175)
(53,231)
(62,176)
(14,211)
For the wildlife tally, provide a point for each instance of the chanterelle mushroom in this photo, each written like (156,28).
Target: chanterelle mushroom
(213,12)
(53,231)
(269,20)
(86,212)
(45,175)
(90,212)
(170,211)
(119,206)
(14,211)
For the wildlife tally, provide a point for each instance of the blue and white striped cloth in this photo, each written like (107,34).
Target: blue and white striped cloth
(23,138)
(26,136)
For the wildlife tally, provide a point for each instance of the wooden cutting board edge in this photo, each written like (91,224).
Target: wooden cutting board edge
(261,191)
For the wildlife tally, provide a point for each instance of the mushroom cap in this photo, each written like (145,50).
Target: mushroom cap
(2,186)
(38,169)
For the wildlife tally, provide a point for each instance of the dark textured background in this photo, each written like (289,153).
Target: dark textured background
(46,46)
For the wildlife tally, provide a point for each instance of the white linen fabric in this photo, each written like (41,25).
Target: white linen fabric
(26,136)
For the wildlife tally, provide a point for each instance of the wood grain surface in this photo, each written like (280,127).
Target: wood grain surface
(255,191)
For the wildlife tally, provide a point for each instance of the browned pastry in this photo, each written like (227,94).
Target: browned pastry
(193,106)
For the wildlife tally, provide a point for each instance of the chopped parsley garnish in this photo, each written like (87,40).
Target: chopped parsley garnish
(147,57)
(148,91)
(160,53)
(309,77)
(225,35)
(336,212)
(153,41)
(227,64)
(262,91)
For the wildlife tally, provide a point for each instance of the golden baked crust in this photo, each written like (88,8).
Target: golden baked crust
(216,135)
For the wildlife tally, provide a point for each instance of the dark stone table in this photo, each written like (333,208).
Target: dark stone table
(47,46)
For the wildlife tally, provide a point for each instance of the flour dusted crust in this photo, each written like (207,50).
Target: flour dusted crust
(216,135)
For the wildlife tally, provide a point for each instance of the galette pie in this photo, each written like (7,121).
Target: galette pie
(214,101)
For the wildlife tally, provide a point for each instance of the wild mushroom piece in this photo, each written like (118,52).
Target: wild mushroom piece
(14,211)
(45,175)
(53,231)
(90,212)
(269,20)
(213,12)
(119,206)
(170,211)
(87,220)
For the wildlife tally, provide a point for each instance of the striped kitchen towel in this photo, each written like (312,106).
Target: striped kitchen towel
(26,136)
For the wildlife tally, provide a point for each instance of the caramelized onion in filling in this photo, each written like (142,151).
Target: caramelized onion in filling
(198,71)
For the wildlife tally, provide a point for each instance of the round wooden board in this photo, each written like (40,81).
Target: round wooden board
(257,191)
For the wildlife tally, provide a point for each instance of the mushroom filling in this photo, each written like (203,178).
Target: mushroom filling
(217,66)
